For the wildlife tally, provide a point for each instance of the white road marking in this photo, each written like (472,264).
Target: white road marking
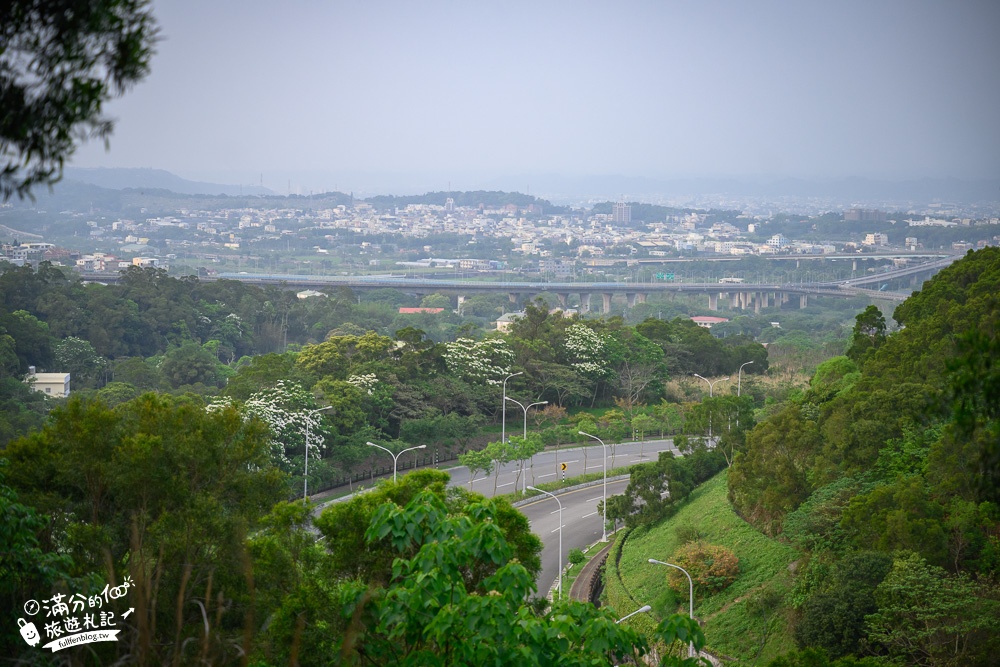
(576,461)
(593,499)
(563,526)
(601,465)
(549,475)
(556,512)
(591,514)
(507,484)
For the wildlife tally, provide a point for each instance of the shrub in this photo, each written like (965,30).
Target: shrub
(576,556)
(712,567)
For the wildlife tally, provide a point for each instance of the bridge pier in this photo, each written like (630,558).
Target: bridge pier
(803,300)
(765,299)
(630,299)
(607,301)
(584,302)
(514,296)
(640,297)
(713,301)
(563,298)
(756,302)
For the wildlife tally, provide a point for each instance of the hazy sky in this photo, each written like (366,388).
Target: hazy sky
(467,91)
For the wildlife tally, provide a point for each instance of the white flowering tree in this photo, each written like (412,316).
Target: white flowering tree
(485,361)
(290,412)
(587,351)
(365,382)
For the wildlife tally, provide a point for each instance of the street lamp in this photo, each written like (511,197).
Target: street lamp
(503,427)
(690,595)
(305,474)
(395,457)
(640,610)
(711,384)
(605,537)
(524,433)
(560,533)
(739,377)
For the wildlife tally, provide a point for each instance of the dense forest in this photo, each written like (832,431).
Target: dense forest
(383,377)
(885,474)
(168,471)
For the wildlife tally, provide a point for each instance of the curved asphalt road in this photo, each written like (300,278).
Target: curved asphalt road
(581,525)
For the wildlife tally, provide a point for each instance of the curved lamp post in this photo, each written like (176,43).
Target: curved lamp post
(739,377)
(395,457)
(640,610)
(690,595)
(503,420)
(711,386)
(560,534)
(605,518)
(305,474)
(524,433)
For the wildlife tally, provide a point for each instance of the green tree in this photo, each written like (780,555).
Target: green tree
(435,610)
(60,63)
(352,557)
(833,618)
(165,492)
(925,617)
(191,364)
(25,567)
(477,461)
(436,301)
(78,358)
(771,478)
(868,336)
(263,370)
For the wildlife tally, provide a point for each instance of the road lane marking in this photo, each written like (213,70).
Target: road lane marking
(562,526)
(591,514)
(549,475)
(507,484)
(593,499)
(600,465)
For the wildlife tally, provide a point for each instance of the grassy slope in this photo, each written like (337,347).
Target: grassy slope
(732,626)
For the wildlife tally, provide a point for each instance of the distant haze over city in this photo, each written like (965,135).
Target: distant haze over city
(565,100)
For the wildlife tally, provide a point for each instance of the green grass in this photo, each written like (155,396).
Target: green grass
(748,620)
(588,554)
(553,486)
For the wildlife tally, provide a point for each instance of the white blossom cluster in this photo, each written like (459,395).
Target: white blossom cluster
(486,360)
(587,349)
(365,382)
(285,409)
(219,403)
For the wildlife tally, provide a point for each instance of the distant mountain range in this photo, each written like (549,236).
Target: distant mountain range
(577,189)
(846,190)
(156,179)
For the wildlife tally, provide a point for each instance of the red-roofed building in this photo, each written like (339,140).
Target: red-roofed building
(410,311)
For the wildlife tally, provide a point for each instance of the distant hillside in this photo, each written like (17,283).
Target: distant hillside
(473,198)
(156,179)
(847,190)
